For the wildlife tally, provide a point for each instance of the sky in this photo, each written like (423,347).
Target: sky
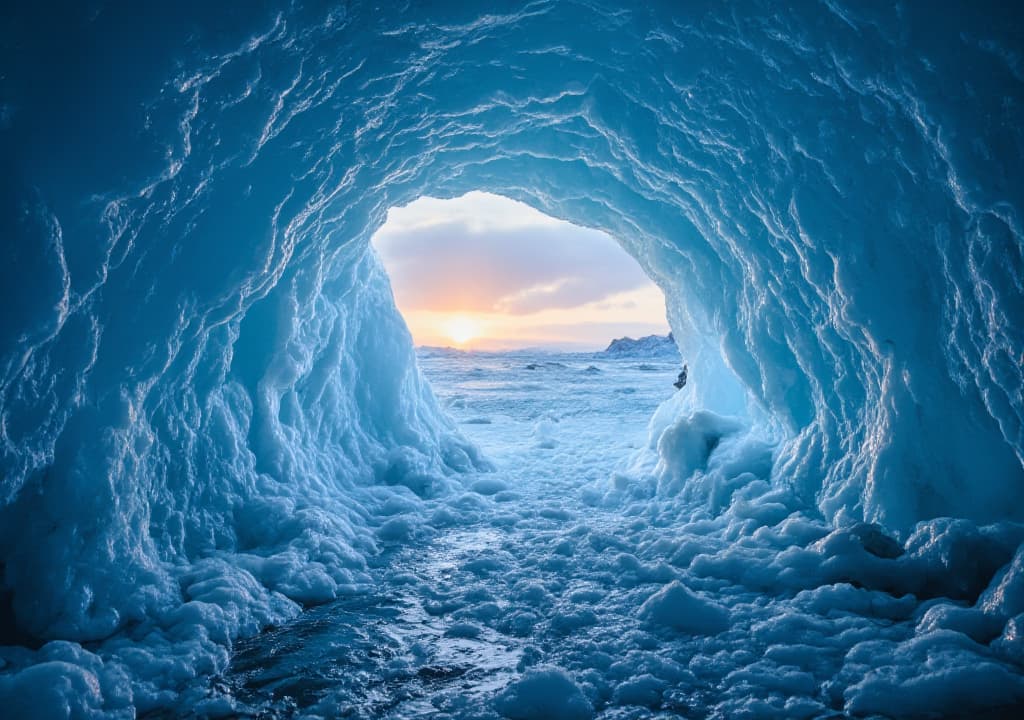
(488,273)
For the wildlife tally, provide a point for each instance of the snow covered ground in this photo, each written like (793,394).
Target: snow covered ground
(562,584)
(521,569)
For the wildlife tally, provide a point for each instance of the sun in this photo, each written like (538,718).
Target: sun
(461,329)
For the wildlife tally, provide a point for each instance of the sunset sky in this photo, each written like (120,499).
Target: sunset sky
(485,272)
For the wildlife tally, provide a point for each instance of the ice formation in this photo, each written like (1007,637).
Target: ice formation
(212,416)
(649,346)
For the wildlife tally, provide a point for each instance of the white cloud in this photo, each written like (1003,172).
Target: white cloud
(487,253)
(477,211)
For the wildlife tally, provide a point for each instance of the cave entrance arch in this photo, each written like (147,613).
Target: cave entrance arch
(535,333)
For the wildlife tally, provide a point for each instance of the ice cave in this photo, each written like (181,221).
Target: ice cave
(230,488)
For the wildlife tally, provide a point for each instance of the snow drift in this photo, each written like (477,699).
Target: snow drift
(207,392)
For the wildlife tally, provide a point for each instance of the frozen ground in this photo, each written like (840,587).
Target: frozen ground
(524,569)
(560,585)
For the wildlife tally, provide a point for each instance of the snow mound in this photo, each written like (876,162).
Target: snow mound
(544,693)
(674,606)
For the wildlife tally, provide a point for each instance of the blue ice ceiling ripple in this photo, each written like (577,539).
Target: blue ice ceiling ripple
(206,387)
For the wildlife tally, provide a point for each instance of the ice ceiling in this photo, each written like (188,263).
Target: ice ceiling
(204,380)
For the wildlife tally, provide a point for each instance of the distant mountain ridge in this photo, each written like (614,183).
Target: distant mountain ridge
(651,346)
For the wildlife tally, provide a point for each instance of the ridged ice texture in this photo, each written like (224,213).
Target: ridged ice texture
(200,360)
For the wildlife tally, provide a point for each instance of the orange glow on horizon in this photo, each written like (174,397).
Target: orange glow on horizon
(590,326)
(461,329)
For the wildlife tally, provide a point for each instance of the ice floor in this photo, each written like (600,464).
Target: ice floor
(524,569)
(557,586)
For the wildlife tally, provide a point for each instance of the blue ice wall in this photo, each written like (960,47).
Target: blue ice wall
(202,374)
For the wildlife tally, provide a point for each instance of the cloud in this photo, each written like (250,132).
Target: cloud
(505,266)
(477,210)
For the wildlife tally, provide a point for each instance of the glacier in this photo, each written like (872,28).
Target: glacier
(213,418)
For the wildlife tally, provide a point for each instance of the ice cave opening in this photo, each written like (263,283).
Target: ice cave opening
(542,339)
(227,487)
(484,272)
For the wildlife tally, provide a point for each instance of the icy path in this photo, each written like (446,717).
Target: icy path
(513,575)
(524,596)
